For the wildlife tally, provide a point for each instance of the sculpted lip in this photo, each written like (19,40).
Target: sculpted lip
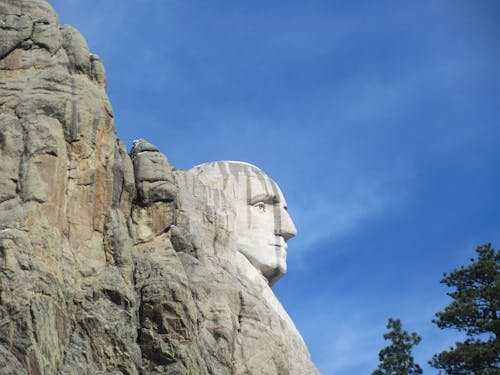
(282,244)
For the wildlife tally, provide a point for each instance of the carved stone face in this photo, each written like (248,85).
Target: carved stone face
(262,224)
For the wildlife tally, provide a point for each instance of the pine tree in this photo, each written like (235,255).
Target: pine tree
(475,310)
(396,359)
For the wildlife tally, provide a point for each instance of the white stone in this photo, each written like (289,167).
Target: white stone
(236,218)
(262,224)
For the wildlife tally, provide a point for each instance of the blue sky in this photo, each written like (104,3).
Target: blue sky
(379,120)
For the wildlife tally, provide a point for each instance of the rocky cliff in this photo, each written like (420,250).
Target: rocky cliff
(110,262)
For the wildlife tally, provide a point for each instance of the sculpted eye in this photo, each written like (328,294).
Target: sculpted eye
(261,206)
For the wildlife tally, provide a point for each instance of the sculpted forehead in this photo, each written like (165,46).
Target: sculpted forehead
(241,179)
(217,172)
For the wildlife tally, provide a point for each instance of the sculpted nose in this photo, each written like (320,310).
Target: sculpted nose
(286,228)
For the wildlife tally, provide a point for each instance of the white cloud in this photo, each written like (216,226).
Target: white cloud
(336,211)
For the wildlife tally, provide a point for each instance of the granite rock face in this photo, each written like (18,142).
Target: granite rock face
(109,262)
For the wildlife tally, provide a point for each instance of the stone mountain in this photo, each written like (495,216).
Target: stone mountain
(110,262)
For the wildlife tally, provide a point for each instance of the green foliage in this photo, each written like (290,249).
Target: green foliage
(396,359)
(474,310)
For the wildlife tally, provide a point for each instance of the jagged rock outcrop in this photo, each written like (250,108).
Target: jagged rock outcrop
(109,262)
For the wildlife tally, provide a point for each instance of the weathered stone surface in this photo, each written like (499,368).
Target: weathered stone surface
(245,326)
(67,297)
(11,149)
(153,174)
(113,263)
(97,71)
(15,29)
(77,49)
